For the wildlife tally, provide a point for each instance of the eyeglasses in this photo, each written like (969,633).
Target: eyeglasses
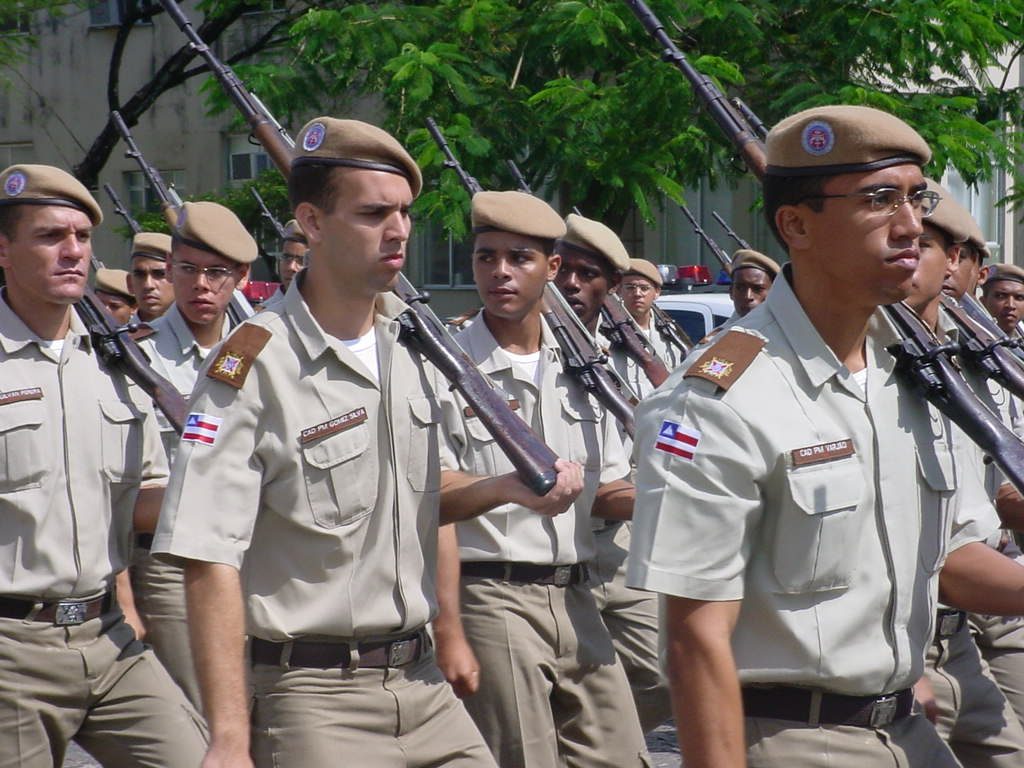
(888,201)
(215,276)
(642,288)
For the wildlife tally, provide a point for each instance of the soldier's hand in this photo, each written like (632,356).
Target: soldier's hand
(924,695)
(568,486)
(457,661)
(227,756)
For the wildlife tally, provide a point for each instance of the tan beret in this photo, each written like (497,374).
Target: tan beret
(355,144)
(214,228)
(46,185)
(746,258)
(293,233)
(1010,272)
(826,141)
(647,269)
(152,245)
(949,216)
(595,237)
(113,281)
(515,212)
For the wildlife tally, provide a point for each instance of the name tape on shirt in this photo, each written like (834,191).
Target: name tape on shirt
(814,454)
(201,428)
(333,426)
(677,440)
(18,395)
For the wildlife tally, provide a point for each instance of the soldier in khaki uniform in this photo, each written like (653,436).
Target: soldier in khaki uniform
(794,500)
(958,691)
(79,458)
(752,276)
(1002,293)
(148,278)
(210,256)
(293,253)
(112,290)
(552,691)
(304,496)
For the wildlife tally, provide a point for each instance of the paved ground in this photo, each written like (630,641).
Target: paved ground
(661,743)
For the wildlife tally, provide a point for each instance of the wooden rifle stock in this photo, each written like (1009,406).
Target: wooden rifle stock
(584,360)
(623,332)
(985,348)
(926,366)
(265,129)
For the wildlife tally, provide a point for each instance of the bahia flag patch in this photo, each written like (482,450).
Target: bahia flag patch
(201,428)
(677,440)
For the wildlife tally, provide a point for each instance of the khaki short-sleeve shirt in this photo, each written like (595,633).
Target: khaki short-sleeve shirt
(567,419)
(825,509)
(76,443)
(632,373)
(314,480)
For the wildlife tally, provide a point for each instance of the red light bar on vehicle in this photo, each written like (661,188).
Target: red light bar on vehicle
(693,274)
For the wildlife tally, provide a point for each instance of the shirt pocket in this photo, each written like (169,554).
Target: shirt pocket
(121,439)
(584,432)
(816,540)
(935,469)
(424,457)
(21,451)
(341,477)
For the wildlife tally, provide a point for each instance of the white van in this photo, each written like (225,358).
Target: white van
(697,312)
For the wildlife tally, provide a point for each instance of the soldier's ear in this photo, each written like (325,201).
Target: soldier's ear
(5,246)
(791,222)
(308,216)
(554,264)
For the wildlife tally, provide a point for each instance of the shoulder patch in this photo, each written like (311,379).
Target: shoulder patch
(235,358)
(144,331)
(726,360)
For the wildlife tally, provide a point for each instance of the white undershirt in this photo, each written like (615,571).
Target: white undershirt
(365,348)
(861,377)
(55,345)
(528,364)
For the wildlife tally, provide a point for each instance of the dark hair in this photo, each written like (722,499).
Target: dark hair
(791,190)
(315,184)
(9,217)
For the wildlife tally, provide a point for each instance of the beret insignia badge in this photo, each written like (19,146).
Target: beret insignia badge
(15,184)
(818,138)
(314,137)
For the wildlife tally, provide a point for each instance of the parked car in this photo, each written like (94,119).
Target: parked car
(698,312)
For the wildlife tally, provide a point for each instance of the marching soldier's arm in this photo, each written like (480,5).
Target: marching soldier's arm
(704,684)
(217,630)
(979,579)
(147,509)
(455,657)
(464,496)
(614,501)
(126,600)
(1010,506)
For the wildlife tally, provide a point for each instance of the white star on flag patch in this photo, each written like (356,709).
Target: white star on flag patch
(677,440)
(201,428)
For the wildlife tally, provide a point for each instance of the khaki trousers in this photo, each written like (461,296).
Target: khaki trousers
(974,716)
(160,599)
(97,685)
(1001,642)
(403,717)
(552,690)
(631,616)
(909,743)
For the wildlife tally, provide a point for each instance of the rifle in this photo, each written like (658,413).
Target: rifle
(622,331)
(984,347)
(671,331)
(121,211)
(724,258)
(264,128)
(517,175)
(277,225)
(926,365)
(713,100)
(584,360)
(729,231)
(469,183)
(750,118)
(170,202)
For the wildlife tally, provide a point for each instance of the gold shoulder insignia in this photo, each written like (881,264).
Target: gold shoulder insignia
(726,360)
(235,358)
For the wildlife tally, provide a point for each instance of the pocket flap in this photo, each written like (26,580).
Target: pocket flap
(333,450)
(827,488)
(579,412)
(937,467)
(425,410)
(24,414)
(119,411)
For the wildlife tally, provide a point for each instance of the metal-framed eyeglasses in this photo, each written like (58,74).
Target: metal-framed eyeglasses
(215,276)
(887,200)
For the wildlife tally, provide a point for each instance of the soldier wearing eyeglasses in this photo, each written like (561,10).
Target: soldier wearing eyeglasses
(210,255)
(796,503)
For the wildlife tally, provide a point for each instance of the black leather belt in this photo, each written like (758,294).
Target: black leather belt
(60,613)
(144,540)
(948,621)
(790,703)
(528,573)
(398,652)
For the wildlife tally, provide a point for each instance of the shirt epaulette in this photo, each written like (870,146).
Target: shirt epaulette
(237,354)
(726,360)
(144,331)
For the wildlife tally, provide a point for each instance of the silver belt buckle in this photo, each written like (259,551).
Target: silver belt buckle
(883,711)
(949,624)
(563,575)
(69,614)
(401,652)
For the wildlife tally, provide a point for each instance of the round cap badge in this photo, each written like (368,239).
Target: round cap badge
(818,138)
(15,184)
(314,137)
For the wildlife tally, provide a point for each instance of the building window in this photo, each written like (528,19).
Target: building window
(269,6)
(14,19)
(246,160)
(110,13)
(12,154)
(141,196)
(441,262)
